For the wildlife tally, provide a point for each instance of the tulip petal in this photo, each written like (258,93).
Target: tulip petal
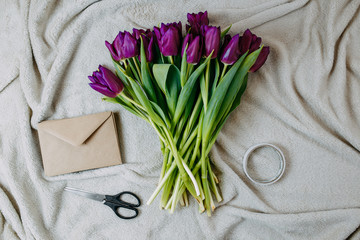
(191,18)
(196,21)
(138,32)
(231,52)
(261,59)
(112,51)
(170,42)
(163,28)
(150,50)
(212,40)
(112,81)
(245,41)
(99,78)
(186,40)
(157,33)
(92,79)
(102,89)
(204,18)
(255,44)
(130,47)
(194,51)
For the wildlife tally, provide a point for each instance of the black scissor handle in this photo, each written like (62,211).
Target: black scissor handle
(118,197)
(115,202)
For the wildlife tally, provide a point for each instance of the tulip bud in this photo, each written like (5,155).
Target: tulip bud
(255,44)
(231,51)
(196,20)
(115,47)
(124,46)
(130,47)
(245,41)
(106,82)
(261,59)
(169,38)
(148,40)
(194,50)
(212,40)
(249,42)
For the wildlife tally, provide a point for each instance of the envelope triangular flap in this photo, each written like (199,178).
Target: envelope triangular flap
(75,130)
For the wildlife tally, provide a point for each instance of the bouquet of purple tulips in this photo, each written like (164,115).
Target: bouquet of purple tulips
(185,88)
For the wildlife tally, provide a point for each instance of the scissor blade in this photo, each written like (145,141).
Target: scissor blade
(93,196)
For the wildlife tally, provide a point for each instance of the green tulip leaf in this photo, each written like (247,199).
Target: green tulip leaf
(240,93)
(161,113)
(140,94)
(231,93)
(223,33)
(203,90)
(183,68)
(217,99)
(216,77)
(167,77)
(187,90)
(145,74)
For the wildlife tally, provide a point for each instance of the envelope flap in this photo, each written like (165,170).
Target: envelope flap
(75,130)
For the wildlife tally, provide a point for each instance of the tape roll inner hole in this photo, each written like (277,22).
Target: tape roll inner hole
(264,164)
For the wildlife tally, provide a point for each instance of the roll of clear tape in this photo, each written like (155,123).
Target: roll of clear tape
(281,168)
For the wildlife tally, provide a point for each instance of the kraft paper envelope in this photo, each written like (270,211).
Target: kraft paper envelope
(75,144)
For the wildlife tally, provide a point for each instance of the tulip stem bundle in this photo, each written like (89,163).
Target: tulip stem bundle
(185,95)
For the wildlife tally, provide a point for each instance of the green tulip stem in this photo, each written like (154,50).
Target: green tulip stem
(223,72)
(137,67)
(171,59)
(179,183)
(125,64)
(166,156)
(183,168)
(205,182)
(169,184)
(212,182)
(157,129)
(167,189)
(133,69)
(133,102)
(198,140)
(168,204)
(190,70)
(161,184)
(198,180)
(176,194)
(169,160)
(186,145)
(207,76)
(186,199)
(193,117)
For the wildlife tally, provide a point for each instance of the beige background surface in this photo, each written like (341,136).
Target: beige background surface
(305,100)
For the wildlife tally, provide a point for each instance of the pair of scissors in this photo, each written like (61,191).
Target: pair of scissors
(113,201)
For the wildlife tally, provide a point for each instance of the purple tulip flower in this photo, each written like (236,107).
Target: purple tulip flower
(196,20)
(106,82)
(252,43)
(237,46)
(226,41)
(124,46)
(148,40)
(261,59)
(249,42)
(231,51)
(130,47)
(194,50)
(169,38)
(212,40)
(115,47)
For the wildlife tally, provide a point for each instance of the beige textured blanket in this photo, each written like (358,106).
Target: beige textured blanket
(305,99)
